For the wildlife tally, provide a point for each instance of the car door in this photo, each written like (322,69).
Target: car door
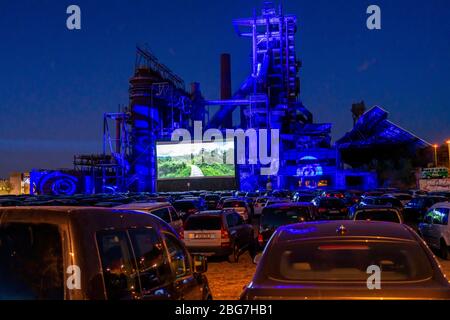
(186,285)
(232,221)
(242,230)
(119,269)
(433,229)
(425,227)
(440,223)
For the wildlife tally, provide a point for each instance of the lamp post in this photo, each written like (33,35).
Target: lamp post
(435,146)
(448,144)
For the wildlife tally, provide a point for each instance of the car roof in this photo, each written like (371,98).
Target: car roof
(207,213)
(377,208)
(146,206)
(441,205)
(35,212)
(327,229)
(287,205)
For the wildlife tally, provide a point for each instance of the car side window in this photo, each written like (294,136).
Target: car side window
(119,270)
(440,216)
(174,214)
(179,257)
(151,257)
(162,213)
(31,257)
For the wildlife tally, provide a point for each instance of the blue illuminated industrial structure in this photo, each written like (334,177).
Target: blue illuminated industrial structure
(269,98)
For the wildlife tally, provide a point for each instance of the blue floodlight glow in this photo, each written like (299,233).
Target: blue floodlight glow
(310,169)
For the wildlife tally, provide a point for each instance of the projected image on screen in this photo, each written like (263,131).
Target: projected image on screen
(178,161)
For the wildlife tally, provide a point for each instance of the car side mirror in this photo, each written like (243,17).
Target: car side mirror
(257,258)
(200,264)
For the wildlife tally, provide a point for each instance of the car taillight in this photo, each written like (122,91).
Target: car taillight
(225,237)
(322,210)
(182,234)
(344,210)
(260,239)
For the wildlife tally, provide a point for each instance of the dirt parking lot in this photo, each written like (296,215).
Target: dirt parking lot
(228,279)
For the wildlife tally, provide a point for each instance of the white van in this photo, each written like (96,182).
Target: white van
(435,229)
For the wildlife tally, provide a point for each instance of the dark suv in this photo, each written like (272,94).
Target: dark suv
(94,253)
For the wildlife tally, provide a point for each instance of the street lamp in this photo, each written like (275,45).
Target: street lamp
(448,144)
(435,146)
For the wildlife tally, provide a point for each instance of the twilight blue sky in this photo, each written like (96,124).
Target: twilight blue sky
(56,84)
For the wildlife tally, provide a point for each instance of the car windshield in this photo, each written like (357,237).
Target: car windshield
(31,262)
(195,223)
(378,215)
(279,217)
(348,261)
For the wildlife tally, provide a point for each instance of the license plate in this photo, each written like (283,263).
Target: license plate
(202,236)
(334,211)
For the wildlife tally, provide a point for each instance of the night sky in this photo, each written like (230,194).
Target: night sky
(55,84)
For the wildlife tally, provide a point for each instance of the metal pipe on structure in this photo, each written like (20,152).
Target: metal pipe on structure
(225,76)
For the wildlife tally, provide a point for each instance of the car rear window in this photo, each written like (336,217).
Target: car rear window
(279,217)
(196,223)
(212,198)
(331,203)
(378,215)
(348,261)
(184,205)
(385,201)
(31,262)
(234,204)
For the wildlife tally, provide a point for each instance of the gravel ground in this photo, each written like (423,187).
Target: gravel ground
(228,279)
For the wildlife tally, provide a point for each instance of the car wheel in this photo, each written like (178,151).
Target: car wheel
(234,256)
(443,250)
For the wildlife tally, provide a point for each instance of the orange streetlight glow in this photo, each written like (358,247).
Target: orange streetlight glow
(435,146)
(448,142)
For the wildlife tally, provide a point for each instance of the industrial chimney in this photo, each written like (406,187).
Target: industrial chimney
(225,76)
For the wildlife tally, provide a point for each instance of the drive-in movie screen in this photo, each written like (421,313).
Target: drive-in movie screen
(195,160)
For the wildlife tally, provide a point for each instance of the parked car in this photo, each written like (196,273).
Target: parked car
(435,229)
(403,197)
(435,173)
(330,208)
(416,209)
(222,200)
(282,214)
(333,194)
(187,207)
(240,206)
(334,260)
(380,201)
(211,201)
(260,203)
(387,214)
(162,210)
(441,194)
(219,233)
(95,253)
